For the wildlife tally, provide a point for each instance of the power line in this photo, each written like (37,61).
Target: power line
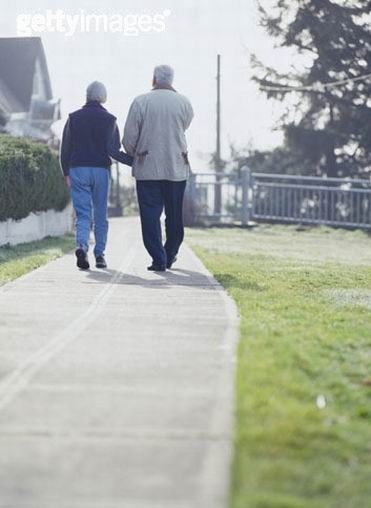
(316,87)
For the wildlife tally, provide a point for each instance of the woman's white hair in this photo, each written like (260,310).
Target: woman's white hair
(96,91)
(164,75)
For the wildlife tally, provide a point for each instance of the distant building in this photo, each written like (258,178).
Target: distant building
(27,107)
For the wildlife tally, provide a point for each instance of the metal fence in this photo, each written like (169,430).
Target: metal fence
(278,198)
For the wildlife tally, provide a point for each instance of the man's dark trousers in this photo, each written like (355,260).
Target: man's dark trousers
(153,197)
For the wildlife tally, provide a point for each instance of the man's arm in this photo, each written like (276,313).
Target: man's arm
(132,129)
(65,150)
(189,114)
(114,147)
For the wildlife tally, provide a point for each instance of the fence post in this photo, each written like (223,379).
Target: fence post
(245,183)
(118,189)
(190,202)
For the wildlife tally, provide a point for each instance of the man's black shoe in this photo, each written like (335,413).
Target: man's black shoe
(100,262)
(82,259)
(171,262)
(156,268)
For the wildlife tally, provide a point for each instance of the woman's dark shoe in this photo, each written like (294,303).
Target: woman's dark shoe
(100,262)
(170,262)
(156,268)
(82,259)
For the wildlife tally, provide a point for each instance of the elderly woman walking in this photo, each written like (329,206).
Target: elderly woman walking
(90,138)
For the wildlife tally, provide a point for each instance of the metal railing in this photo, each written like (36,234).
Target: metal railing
(279,198)
(312,200)
(203,190)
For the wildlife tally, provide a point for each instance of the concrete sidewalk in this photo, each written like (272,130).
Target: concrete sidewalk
(116,386)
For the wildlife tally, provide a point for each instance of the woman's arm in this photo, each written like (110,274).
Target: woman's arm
(65,150)
(114,148)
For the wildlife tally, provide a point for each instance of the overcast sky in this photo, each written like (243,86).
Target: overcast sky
(196,30)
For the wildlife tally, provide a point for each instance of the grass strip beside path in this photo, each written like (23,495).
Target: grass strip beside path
(303,436)
(20,259)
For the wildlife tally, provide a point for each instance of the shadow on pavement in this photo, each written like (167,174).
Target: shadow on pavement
(176,277)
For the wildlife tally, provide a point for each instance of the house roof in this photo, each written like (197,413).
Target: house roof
(8,101)
(18,56)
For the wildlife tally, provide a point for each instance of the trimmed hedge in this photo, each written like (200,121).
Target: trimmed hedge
(30,179)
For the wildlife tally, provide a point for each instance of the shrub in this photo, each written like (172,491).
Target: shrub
(30,179)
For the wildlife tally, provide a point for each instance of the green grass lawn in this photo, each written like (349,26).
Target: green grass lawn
(303,416)
(18,260)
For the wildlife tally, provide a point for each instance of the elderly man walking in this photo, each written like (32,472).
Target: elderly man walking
(155,135)
(90,138)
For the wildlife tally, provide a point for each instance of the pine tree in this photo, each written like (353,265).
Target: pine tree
(332,128)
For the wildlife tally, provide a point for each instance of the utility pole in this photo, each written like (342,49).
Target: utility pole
(218,165)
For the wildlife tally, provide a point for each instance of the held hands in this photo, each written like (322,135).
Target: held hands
(67,180)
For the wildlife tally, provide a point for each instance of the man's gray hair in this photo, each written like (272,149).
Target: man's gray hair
(164,75)
(96,91)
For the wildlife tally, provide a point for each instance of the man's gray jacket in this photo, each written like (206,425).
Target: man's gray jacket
(155,135)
